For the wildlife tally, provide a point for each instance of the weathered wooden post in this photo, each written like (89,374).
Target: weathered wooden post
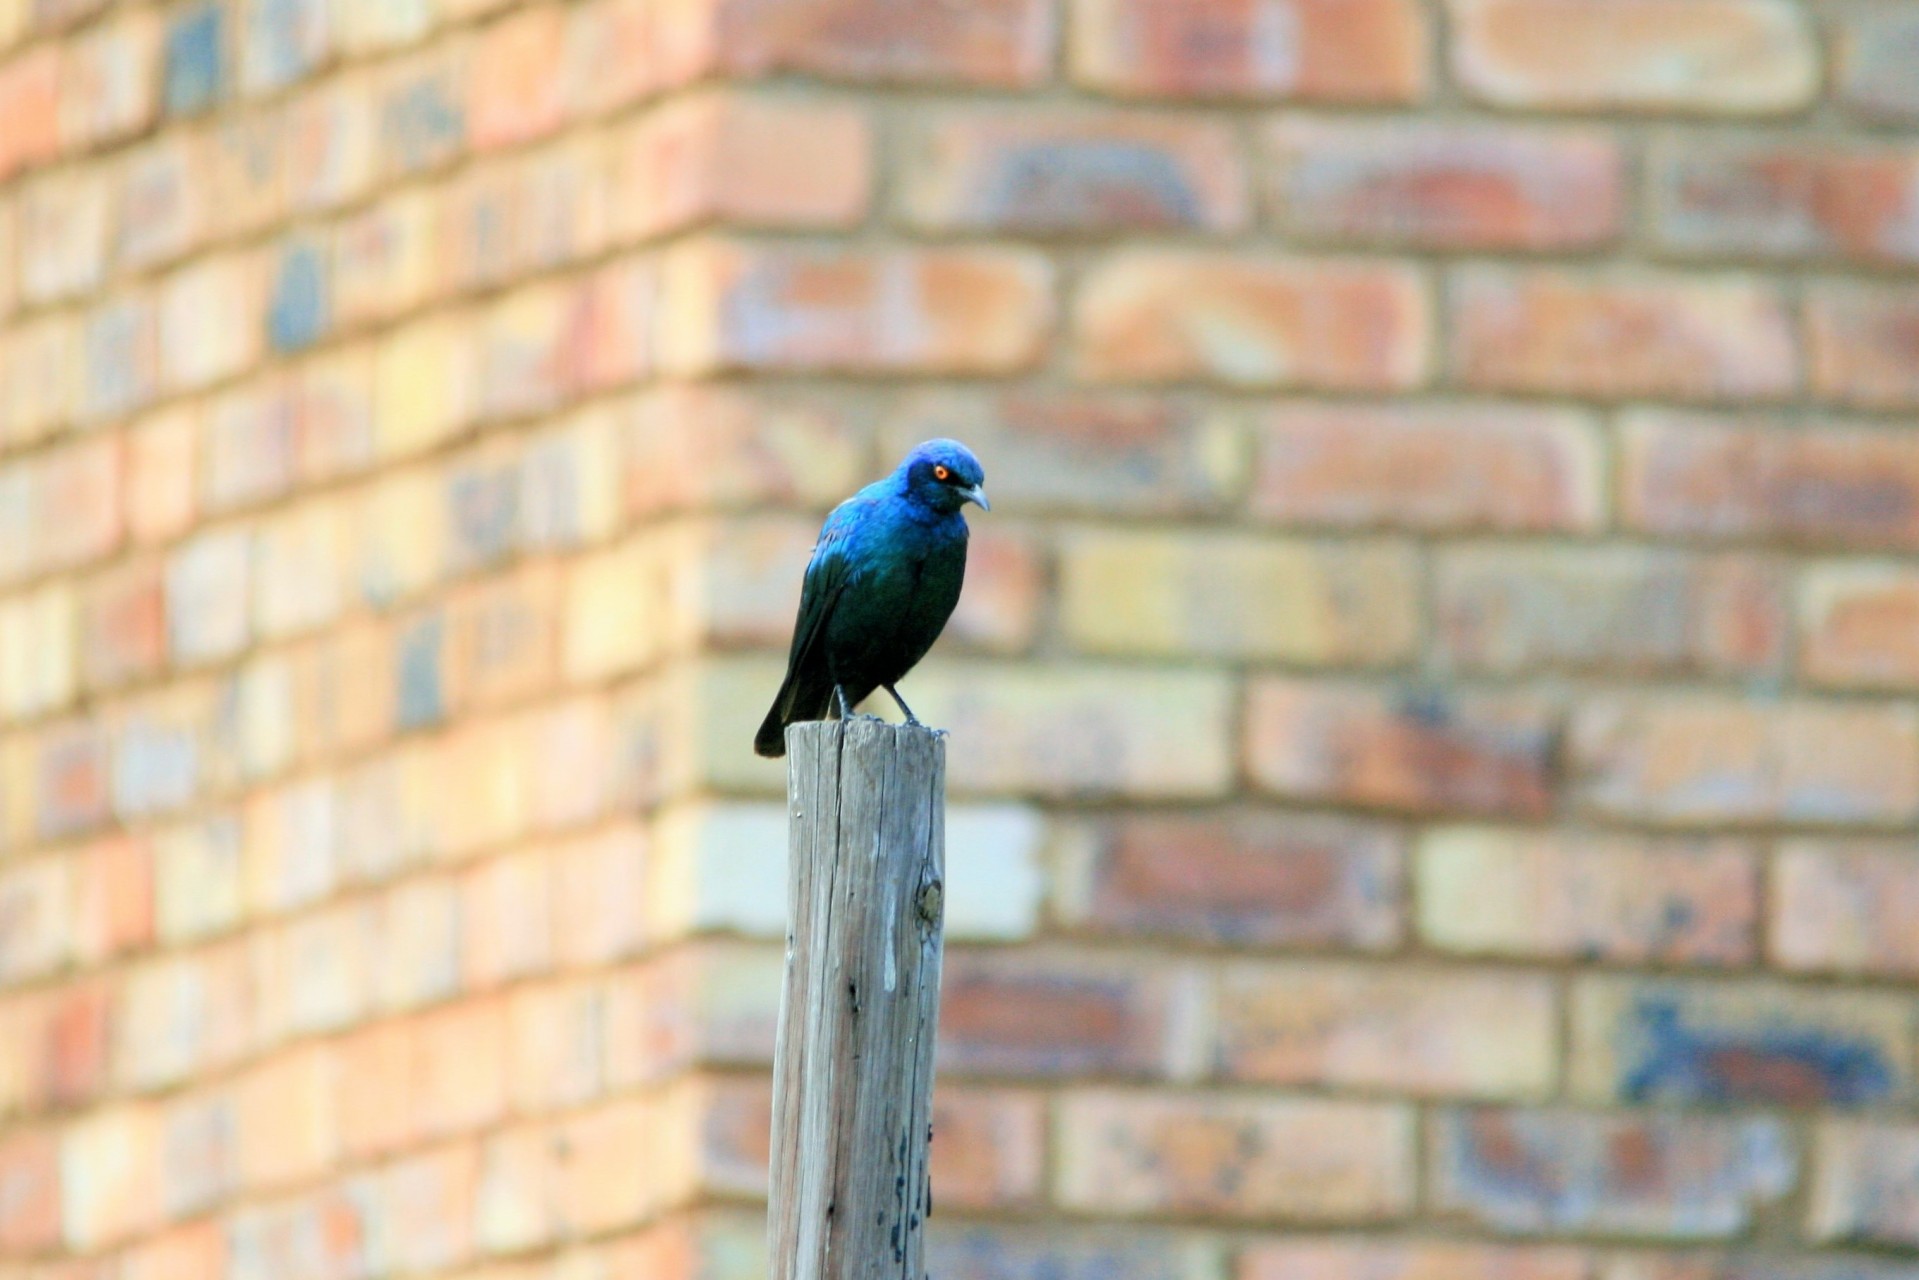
(853,1071)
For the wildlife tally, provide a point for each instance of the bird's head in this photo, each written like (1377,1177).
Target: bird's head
(945,476)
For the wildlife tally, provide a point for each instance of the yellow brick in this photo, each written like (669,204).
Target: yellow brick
(425,386)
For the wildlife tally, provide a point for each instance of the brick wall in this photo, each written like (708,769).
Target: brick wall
(1435,708)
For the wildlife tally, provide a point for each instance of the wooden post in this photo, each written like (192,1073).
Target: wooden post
(853,1071)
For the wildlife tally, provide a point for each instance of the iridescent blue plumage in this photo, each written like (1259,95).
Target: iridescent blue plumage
(882,582)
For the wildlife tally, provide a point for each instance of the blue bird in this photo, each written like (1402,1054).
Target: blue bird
(882,582)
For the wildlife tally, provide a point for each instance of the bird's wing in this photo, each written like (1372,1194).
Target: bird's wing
(832,567)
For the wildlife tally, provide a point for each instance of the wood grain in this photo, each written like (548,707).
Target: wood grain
(853,1071)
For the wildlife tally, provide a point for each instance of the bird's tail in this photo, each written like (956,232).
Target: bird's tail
(799,698)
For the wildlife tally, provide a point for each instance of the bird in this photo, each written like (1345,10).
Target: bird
(882,581)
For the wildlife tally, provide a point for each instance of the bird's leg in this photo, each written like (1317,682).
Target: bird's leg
(846,710)
(895,693)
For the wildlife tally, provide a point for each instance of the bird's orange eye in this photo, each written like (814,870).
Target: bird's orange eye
(941,473)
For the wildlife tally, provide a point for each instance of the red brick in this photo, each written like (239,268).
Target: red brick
(36,902)
(1621,335)
(514,1208)
(517,93)
(183,1013)
(730,305)
(428,1210)
(80,486)
(1007,579)
(29,1191)
(1167,316)
(1655,1174)
(376,1107)
(1580,896)
(1786,199)
(1424,752)
(1844,907)
(556,1039)
(1716,57)
(1085,453)
(1244,877)
(1429,467)
(1877,54)
(460,1057)
(599,1185)
(1858,623)
(1360,51)
(112,898)
(1618,609)
(1864,1191)
(418,939)
(1060,171)
(598,881)
(161,469)
(610,55)
(1002,43)
(123,625)
(1306,1159)
(1436,186)
(30,104)
(989,1147)
(192,1252)
(1056,1014)
(1863,344)
(315,973)
(744,160)
(704,1004)
(1345,1026)
(1341,1258)
(1712,759)
(1735,478)
(287,1118)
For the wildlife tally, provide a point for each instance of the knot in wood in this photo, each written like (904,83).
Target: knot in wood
(931,898)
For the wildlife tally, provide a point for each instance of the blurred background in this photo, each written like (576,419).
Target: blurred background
(1435,758)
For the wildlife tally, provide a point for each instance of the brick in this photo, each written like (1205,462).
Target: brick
(570,764)
(424,390)
(611,60)
(1309,1159)
(692,446)
(1238,596)
(207,596)
(1041,1014)
(42,376)
(1620,335)
(1855,621)
(210,321)
(375,1107)
(513,1208)
(1843,907)
(331,1231)
(1717,477)
(998,1251)
(110,1176)
(68,1038)
(286,1118)
(112,898)
(516,91)
(1658,1174)
(523,350)
(1521,610)
(314,974)
(161,467)
(122,625)
(773,308)
(1420,751)
(597,883)
(1238,876)
(422,109)
(38,651)
(1339,1258)
(200,1151)
(1054,172)
(299,307)
(1572,895)
(1436,186)
(196,71)
(557,1054)
(1864,1192)
(428,1209)
(1057,731)
(1877,47)
(183,1253)
(9,258)
(997,43)
(80,505)
(598,1185)
(1712,57)
(1372,51)
(1085,453)
(247,447)
(418,935)
(163,752)
(1781,198)
(1460,1033)
(1707,759)
(109,82)
(367,26)
(704,1004)
(744,160)
(246,171)
(199,884)
(1753,1044)
(460,1062)
(1169,316)
(988,1147)
(161,203)
(1433,467)
(501,637)
(383,259)
(36,901)
(1863,344)
(282,41)
(71,779)
(63,234)
(119,358)
(30,103)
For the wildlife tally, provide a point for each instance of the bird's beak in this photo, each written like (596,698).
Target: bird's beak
(977,494)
